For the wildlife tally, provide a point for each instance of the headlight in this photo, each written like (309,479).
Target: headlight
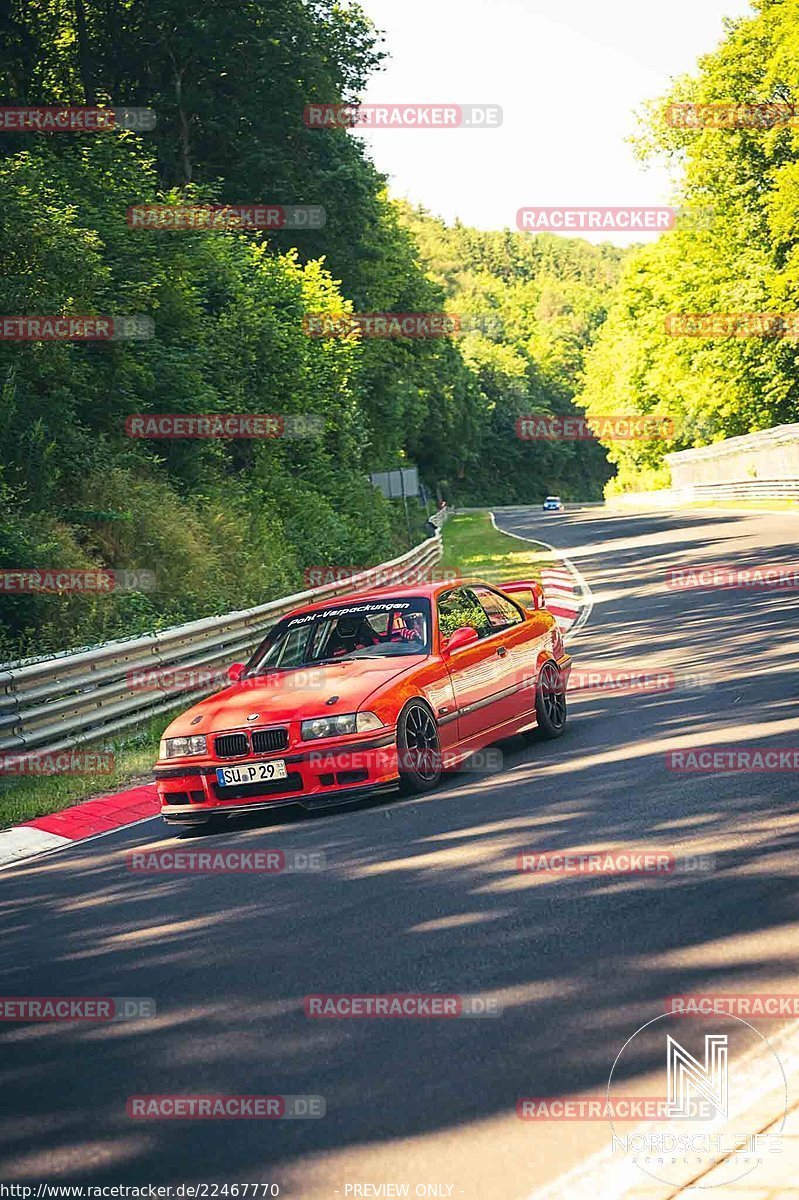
(180,747)
(325,727)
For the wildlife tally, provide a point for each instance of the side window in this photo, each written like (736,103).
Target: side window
(500,612)
(458,608)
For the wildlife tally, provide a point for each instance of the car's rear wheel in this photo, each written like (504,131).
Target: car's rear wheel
(550,701)
(418,748)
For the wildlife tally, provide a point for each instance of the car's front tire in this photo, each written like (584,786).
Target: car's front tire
(418,748)
(550,701)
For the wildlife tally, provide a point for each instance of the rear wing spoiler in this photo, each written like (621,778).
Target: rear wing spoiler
(529,586)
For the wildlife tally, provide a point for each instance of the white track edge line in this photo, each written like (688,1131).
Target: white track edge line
(585,591)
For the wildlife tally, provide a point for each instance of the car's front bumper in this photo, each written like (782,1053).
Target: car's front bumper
(317,776)
(199,814)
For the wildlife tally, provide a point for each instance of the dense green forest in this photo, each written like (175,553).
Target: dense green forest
(228,523)
(544,322)
(530,307)
(742,179)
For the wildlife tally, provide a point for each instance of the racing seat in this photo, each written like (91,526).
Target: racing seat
(351,633)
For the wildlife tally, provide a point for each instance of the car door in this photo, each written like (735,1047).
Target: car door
(508,636)
(479,673)
(519,638)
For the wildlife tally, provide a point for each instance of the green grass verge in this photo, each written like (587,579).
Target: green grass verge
(472,546)
(23,797)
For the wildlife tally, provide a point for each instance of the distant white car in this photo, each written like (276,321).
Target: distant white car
(553,504)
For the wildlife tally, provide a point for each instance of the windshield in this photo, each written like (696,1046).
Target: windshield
(370,629)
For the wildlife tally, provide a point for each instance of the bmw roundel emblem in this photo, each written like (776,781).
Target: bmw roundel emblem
(253,716)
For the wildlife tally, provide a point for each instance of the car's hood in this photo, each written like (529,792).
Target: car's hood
(291,695)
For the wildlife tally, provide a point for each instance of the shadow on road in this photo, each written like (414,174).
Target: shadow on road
(424,896)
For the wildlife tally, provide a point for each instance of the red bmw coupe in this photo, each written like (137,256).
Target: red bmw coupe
(361,694)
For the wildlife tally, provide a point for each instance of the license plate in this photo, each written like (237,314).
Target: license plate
(257,772)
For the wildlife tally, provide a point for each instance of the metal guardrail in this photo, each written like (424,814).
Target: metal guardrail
(756,489)
(79,696)
(748,489)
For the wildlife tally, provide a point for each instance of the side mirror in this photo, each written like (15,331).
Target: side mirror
(235,672)
(528,586)
(466,635)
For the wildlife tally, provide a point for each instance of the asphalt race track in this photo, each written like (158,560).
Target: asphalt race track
(424,896)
